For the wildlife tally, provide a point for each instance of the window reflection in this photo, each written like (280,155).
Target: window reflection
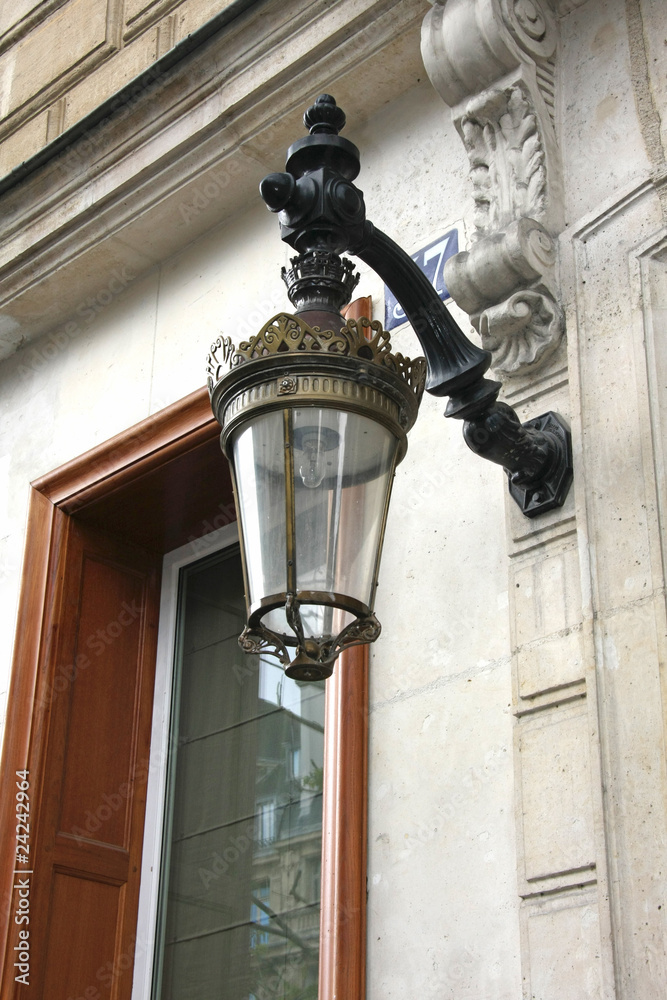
(239,912)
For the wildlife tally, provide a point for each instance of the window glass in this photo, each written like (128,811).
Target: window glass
(238,917)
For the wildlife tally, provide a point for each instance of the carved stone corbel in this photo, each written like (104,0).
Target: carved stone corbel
(492,62)
(506,284)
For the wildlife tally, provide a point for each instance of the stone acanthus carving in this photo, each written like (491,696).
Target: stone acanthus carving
(507,162)
(492,61)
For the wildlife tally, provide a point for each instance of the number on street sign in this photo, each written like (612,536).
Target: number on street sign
(431,260)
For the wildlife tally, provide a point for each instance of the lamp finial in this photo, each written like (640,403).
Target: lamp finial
(324,116)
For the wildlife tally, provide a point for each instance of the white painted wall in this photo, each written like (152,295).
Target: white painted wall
(465,803)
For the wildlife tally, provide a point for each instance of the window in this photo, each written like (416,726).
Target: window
(259,915)
(235,799)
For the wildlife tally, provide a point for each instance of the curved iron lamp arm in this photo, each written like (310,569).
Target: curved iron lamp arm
(454,362)
(321,209)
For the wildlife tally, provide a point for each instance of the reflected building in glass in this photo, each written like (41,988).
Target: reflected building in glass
(239,910)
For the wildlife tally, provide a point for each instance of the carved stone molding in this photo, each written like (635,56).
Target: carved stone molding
(506,284)
(508,160)
(492,62)
(468,45)
(200,162)
(19,25)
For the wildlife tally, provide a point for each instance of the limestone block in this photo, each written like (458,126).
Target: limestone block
(161,160)
(550,664)
(188,14)
(56,46)
(233,295)
(23,143)
(110,77)
(654,38)
(601,137)
(547,594)
(558,826)
(564,939)
(134,8)
(616,439)
(192,13)
(635,788)
(109,343)
(440,833)
(621,380)
(430,557)
(11,14)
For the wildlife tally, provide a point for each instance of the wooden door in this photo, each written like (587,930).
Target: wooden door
(87,811)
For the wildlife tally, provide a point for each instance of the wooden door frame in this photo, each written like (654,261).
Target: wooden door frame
(96,487)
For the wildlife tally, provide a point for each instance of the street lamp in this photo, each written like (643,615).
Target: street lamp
(315,411)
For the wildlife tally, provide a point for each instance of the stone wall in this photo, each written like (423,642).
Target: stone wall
(518,783)
(61,59)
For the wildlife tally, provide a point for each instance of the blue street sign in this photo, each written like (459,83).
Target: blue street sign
(431,260)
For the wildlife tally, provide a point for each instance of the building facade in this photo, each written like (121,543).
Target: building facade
(515,840)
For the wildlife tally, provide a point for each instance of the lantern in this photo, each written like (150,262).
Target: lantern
(314,413)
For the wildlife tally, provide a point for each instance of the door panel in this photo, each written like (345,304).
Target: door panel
(96,800)
(88,829)
(86,911)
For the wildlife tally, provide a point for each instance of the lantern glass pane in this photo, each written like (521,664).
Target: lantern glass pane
(259,463)
(343,465)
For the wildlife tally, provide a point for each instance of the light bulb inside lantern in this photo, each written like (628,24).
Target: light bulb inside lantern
(315,442)
(312,469)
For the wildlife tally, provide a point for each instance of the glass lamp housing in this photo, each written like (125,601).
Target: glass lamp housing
(313,424)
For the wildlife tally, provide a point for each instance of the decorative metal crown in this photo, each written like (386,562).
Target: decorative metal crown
(289,334)
(320,279)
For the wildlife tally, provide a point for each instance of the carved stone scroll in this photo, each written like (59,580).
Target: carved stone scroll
(492,61)
(506,284)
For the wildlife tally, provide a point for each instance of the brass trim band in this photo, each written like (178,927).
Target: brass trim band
(291,364)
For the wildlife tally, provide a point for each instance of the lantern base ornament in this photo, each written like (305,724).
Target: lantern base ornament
(315,658)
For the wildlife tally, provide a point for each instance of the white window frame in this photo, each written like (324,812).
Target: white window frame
(149,889)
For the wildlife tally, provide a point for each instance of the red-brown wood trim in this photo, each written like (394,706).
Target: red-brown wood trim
(85,867)
(105,862)
(344,820)
(344,823)
(103,470)
(361,308)
(131,454)
(25,725)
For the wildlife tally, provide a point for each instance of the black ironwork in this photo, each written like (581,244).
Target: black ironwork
(320,281)
(322,212)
